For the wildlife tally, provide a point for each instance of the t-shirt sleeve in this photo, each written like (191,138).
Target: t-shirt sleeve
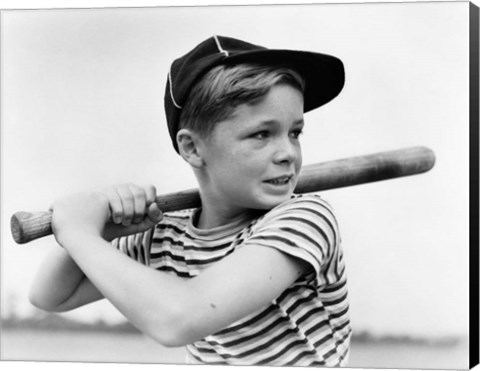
(306,228)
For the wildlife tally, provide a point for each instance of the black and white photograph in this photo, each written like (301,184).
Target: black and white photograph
(240,185)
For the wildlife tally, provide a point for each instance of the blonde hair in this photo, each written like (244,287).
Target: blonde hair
(216,95)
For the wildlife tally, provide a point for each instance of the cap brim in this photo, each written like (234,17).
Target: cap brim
(324,74)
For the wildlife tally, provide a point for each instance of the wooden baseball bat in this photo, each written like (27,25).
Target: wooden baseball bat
(28,226)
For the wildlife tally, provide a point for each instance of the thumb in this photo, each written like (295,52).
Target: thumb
(154,213)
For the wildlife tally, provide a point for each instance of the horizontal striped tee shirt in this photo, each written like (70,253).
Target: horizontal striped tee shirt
(307,325)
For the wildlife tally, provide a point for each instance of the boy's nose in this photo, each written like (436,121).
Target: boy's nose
(286,152)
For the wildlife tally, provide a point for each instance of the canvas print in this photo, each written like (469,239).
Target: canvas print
(279,185)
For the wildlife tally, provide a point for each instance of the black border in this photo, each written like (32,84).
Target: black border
(474,155)
(474,186)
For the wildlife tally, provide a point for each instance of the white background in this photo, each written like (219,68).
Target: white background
(82,107)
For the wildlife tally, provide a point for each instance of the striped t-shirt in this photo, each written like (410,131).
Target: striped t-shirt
(307,325)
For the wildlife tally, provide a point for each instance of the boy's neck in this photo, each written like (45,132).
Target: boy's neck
(212,217)
(216,212)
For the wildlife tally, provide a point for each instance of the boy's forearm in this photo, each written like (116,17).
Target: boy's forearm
(56,281)
(174,311)
(149,299)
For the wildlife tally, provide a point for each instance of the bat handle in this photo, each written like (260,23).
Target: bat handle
(28,226)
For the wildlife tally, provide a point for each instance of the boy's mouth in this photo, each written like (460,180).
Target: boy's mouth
(282,180)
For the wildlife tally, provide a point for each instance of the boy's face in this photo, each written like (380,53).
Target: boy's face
(253,158)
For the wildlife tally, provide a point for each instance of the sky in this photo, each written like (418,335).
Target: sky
(82,108)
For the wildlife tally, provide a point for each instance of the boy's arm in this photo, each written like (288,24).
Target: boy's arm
(175,311)
(72,289)
(60,285)
(172,310)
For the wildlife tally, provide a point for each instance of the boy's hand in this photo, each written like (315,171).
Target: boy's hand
(132,209)
(114,212)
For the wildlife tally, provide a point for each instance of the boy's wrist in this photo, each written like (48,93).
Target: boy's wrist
(74,236)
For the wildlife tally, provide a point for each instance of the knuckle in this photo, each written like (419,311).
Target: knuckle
(132,186)
(151,189)
(138,218)
(138,192)
(128,197)
(151,192)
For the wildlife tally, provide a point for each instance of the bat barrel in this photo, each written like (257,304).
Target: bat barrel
(346,172)
(365,169)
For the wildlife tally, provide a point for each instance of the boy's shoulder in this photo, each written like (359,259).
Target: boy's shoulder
(311,204)
(299,207)
(306,200)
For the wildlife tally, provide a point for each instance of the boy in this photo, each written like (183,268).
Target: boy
(254,276)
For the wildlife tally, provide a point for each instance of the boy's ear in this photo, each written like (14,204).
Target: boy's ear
(188,146)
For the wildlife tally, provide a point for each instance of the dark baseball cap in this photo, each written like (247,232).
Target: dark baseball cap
(324,74)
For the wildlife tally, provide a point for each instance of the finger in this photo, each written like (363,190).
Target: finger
(154,216)
(151,193)
(128,204)
(115,203)
(140,203)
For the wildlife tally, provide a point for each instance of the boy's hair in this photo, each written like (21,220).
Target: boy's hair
(216,95)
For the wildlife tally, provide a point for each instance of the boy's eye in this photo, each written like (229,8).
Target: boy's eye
(297,133)
(260,135)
